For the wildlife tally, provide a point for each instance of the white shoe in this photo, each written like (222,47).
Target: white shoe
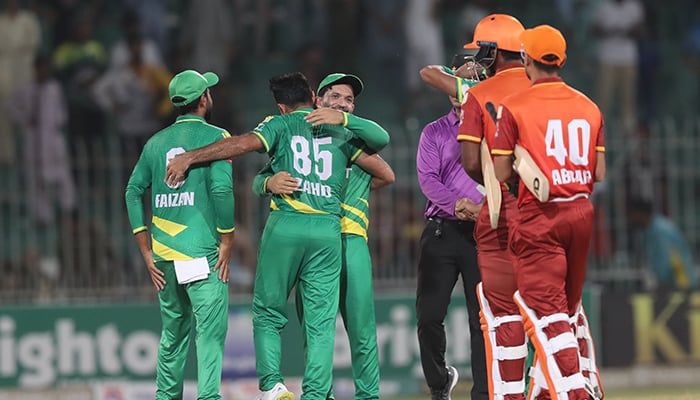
(278,392)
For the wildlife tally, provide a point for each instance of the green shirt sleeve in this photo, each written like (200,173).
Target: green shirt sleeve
(222,195)
(260,180)
(139,181)
(463,86)
(369,131)
(353,148)
(268,131)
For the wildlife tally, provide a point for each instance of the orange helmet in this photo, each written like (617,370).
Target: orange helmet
(497,30)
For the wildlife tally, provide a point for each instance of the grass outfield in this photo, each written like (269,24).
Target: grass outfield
(647,393)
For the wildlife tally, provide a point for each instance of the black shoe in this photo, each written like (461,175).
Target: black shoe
(446,392)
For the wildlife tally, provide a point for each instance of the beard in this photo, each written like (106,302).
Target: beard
(207,115)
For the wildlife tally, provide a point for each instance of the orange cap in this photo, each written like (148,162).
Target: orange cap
(542,41)
(501,30)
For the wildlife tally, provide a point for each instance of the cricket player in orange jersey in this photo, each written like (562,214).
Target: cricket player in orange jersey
(562,129)
(498,39)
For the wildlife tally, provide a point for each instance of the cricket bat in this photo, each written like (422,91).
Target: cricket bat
(531,175)
(493,187)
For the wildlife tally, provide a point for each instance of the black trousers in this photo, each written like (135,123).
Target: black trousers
(448,250)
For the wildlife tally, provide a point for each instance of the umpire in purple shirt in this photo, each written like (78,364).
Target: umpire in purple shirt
(448,250)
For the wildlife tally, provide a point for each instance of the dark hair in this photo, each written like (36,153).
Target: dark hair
(548,68)
(189,108)
(291,89)
(509,55)
(324,90)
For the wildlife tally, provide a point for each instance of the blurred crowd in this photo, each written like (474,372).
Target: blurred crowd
(84,84)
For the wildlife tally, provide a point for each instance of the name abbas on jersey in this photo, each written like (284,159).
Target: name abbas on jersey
(165,200)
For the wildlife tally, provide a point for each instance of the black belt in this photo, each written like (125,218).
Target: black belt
(458,224)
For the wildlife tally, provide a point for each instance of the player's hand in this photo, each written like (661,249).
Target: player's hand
(469,70)
(223,263)
(326,116)
(467,210)
(157,276)
(176,169)
(282,183)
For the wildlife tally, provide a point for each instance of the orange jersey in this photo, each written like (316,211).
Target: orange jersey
(560,127)
(476,122)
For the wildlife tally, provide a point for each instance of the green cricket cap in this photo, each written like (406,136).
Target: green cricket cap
(188,85)
(339,78)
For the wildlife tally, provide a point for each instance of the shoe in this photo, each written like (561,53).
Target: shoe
(446,392)
(278,392)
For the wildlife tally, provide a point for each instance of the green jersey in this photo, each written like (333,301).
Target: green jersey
(463,85)
(356,203)
(316,156)
(355,206)
(186,220)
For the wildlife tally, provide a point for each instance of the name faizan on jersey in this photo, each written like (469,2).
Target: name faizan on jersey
(316,156)
(561,128)
(187,220)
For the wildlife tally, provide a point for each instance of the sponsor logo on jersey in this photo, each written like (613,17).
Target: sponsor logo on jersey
(174,199)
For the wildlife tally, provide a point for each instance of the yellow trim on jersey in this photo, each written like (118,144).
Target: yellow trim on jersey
(189,120)
(348,226)
(460,97)
(356,212)
(265,184)
(357,154)
(139,229)
(497,152)
(345,119)
(225,230)
(273,205)
(300,206)
(600,149)
(364,201)
(169,227)
(166,252)
(225,134)
(262,139)
(468,138)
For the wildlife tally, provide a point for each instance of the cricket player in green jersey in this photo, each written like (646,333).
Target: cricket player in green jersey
(191,237)
(301,244)
(335,104)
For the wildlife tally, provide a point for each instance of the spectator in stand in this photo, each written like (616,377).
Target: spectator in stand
(79,62)
(137,95)
(618,25)
(39,111)
(21,36)
(424,39)
(666,252)
(132,27)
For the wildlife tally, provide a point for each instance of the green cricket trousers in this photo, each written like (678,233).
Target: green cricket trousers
(205,303)
(357,310)
(302,250)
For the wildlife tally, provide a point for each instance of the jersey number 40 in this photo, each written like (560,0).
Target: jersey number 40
(579,139)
